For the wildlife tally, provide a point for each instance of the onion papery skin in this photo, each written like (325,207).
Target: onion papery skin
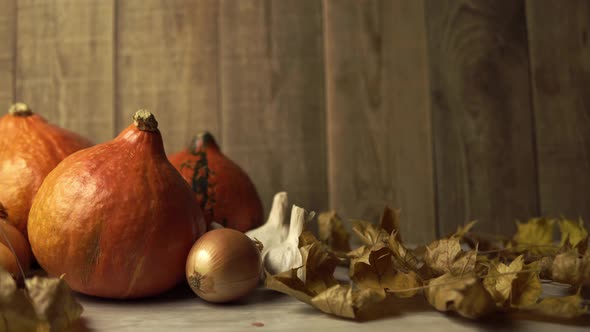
(223,266)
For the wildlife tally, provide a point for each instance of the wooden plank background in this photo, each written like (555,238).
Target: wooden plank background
(64,63)
(379,121)
(451,110)
(485,160)
(560,76)
(7,51)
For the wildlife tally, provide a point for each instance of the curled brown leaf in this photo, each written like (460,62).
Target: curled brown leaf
(446,256)
(573,235)
(331,232)
(344,301)
(535,236)
(462,294)
(368,233)
(571,268)
(560,307)
(47,304)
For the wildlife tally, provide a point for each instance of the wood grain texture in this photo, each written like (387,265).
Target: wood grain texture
(272,102)
(560,68)
(379,126)
(167,62)
(7,53)
(65,63)
(482,115)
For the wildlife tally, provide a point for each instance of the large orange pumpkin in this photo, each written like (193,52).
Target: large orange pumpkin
(30,148)
(116,218)
(224,191)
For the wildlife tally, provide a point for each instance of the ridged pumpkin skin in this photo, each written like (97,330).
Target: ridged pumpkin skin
(224,191)
(30,148)
(116,218)
(8,261)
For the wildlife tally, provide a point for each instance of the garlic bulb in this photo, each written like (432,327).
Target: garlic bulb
(286,255)
(281,240)
(275,230)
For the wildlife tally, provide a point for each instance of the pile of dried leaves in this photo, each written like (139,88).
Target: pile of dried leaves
(43,305)
(463,272)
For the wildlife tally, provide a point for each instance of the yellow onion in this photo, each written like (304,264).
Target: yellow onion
(223,265)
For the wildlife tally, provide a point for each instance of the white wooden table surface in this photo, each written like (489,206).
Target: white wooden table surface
(266,310)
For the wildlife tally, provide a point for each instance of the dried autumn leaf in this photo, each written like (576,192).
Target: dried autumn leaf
(53,301)
(445,256)
(465,295)
(288,283)
(462,230)
(500,277)
(318,268)
(343,301)
(404,258)
(368,233)
(571,268)
(515,284)
(16,311)
(560,307)
(535,236)
(405,284)
(390,220)
(314,276)
(332,232)
(306,238)
(377,268)
(358,252)
(372,259)
(573,234)
(526,288)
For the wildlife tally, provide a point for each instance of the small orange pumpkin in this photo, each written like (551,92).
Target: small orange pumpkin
(11,237)
(224,191)
(30,148)
(117,219)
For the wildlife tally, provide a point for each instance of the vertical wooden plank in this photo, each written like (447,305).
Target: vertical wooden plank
(7,53)
(167,62)
(65,63)
(482,114)
(379,126)
(560,68)
(272,98)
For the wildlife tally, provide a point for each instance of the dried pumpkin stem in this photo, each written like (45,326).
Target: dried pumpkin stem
(203,140)
(144,120)
(20,109)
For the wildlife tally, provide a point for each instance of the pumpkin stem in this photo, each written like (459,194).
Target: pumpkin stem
(145,121)
(20,109)
(202,141)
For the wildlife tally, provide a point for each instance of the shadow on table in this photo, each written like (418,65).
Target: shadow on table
(516,320)
(392,308)
(494,322)
(184,293)
(80,326)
